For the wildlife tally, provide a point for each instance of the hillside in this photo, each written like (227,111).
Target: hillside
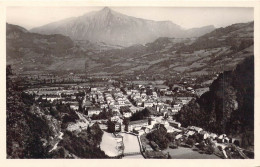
(38,130)
(228,107)
(187,56)
(209,54)
(115,28)
(19,41)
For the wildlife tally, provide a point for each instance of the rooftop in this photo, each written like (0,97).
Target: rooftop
(138,122)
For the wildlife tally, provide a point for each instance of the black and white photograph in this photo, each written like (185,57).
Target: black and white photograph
(130,82)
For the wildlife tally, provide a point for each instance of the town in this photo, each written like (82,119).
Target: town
(137,117)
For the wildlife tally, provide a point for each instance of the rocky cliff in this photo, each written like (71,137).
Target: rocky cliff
(229,105)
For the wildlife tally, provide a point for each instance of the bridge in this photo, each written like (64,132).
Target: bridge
(132,153)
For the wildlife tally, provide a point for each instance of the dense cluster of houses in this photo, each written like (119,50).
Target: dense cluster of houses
(64,95)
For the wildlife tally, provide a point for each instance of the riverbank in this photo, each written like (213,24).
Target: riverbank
(109,145)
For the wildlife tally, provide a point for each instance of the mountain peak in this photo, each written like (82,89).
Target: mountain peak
(112,27)
(106,10)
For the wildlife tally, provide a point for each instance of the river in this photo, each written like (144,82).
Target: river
(131,145)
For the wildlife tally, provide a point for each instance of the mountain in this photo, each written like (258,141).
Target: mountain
(169,57)
(212,53)
(228,107)
(229,36)
(20,40)
(31,50)
(115,28)
(28,51)
(197,32)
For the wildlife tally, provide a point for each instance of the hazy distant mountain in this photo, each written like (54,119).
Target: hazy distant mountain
(196,32)
(115,28)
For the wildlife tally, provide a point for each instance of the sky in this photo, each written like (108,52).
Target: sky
(186,17)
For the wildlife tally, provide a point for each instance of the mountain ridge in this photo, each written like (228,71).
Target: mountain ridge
(115,28)
(165,56)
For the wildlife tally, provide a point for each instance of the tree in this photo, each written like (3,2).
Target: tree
(190,142)
(145,113)
(110,126)
(210,149)
(126,123)
(159,137)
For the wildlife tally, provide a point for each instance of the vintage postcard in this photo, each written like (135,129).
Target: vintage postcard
(134,82)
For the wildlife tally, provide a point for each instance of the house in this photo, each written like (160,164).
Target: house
(189,133)
(154,94)
(103,106)
(74,106)
(133,109)
(168,93)
(117,127)
(184,100)
(194,128)
(165,123)
(174,110)
(223,139)
(53,97)
(213,135)
(93,89)
(116,118)
(161,88)
(174,123)
(148,104)
(136,124)
(116,105)
(93,111)
(147,129)
(143,95)
(115,110)
(127,114)
(140,132)
(178,136)
(169,129)
(189,88)
(113,126)
(204,134)
(138,103)
(128,92)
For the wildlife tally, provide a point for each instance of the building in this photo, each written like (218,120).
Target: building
(139,132)
(113,126)
(194,128)
(127,114)
(74,105)
(148,104)
(174,123)
(137,124)
(93,111)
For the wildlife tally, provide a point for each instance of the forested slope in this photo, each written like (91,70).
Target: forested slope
(229,105)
